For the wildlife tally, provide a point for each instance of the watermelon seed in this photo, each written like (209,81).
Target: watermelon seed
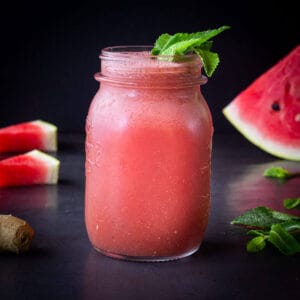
(276,106)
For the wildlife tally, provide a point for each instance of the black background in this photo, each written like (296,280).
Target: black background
(49,50)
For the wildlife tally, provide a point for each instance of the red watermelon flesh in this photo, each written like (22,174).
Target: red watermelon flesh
(34,167)
(27,136)
(267,112)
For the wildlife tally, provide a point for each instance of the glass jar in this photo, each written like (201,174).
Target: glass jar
(148,156)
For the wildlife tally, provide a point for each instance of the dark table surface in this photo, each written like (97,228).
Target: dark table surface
(62,264)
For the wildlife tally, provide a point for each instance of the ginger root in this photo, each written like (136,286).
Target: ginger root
(15,234)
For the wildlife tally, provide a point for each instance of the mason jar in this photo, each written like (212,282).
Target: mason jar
(148,156)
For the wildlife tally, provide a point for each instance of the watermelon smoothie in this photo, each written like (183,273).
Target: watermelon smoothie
(148,154)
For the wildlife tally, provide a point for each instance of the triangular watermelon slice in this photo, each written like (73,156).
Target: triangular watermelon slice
(27,136)
(34,167)
(267,113)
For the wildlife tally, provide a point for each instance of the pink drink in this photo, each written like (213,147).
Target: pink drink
(148,153)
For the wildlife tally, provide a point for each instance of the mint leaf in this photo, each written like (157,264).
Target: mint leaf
(256,244)
(262,217)
(207,45)
(173,39)
(283,240)
(160,42)
(277,172)
(258,232)
(292,227)
(180,44)
(284,217)
(210,60)
(180,47)
(291,203)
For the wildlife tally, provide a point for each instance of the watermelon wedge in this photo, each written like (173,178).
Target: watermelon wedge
(267,112)
(34,167)
(27,136)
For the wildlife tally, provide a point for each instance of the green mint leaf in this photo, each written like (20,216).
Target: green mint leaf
(283,216)
(180,48)
(206,35)
(277,172)
(256,244)
(262,217)
(283,240)
(209,59)
(160,42)
(256,232)
(293,227)
(291,203)
(180,44)
(173,39)
(206,46)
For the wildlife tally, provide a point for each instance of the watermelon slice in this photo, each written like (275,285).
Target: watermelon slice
(267,112)
(28,136)
(34,167)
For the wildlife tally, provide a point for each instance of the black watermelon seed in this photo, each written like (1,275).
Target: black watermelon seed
(276,106)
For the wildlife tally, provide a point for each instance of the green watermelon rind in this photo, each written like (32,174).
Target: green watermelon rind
(51,162)
(257,138)
(50,135)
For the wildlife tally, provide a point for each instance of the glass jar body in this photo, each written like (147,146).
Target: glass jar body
(148,160)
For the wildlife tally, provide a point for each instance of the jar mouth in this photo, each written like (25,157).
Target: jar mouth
(135,65)
(115,52)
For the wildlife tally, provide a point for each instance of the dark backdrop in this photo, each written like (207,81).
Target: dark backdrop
(49,50)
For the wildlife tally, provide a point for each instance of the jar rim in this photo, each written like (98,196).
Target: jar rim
(126,51)
(134,65)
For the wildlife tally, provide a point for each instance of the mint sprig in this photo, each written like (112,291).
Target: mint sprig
(277,172)
(262,217)
(200,43)
(279,229)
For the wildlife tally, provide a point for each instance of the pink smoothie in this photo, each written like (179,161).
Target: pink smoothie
(148,154)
